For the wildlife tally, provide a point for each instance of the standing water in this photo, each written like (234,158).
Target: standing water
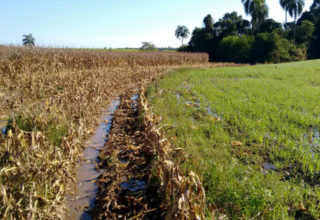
(88,174)
(311,140)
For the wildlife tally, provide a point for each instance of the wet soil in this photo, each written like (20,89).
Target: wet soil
(85,191)
(127,188)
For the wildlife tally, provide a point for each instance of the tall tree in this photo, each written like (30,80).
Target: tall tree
(257,9)
(283,4)
(270,25)
(148,46)
(208,23)
(316,3)
(312,15)
(231,24)
(314,51)
(295,8)
(28,40)
(182,32)
(304,32)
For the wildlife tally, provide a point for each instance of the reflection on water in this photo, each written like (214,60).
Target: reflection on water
(210,112)
(86,188)
(268,166)
(195,104)
(178,98)
(311,140)
(4,130)
(134,98)
(133,185)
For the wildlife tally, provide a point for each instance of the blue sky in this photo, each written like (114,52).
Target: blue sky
(111,23)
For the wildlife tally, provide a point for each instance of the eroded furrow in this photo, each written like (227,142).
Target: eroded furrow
(126,188)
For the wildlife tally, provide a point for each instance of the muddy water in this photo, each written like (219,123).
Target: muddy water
(132,185)
(86,188)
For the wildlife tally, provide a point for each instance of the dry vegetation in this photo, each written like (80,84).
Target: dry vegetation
(50,101)
(185,195)
(142,179)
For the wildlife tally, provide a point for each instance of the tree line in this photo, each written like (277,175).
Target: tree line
(235,39)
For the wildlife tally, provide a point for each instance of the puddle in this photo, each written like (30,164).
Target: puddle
(134,98)
(133,186)
(311,140)
(210,112)
(4,130)
(193,104)
(86,189)
(178,98)
(268,166)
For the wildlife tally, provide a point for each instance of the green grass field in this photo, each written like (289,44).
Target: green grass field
(251,133)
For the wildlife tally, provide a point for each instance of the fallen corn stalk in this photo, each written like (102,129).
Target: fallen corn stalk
(186,197)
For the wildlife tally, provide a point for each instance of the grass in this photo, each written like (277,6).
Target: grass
(251,133)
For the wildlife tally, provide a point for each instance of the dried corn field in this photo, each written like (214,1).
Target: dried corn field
(50,103)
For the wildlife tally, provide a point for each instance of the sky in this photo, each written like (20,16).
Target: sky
(112,23)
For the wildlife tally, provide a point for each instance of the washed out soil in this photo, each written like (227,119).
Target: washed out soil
(127,189)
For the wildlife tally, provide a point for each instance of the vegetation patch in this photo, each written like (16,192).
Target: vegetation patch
(54,98)
(263,40)
(251,133)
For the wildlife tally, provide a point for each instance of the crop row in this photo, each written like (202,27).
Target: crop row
(18,59)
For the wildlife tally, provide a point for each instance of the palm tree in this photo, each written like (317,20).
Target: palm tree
(295,8)
(315,4)
(182,32)
(258,10)
(28,40)
(283,4)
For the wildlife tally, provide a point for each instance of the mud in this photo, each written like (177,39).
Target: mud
(126,188)
(86,188)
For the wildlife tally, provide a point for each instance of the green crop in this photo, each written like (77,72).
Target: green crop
(251,133)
